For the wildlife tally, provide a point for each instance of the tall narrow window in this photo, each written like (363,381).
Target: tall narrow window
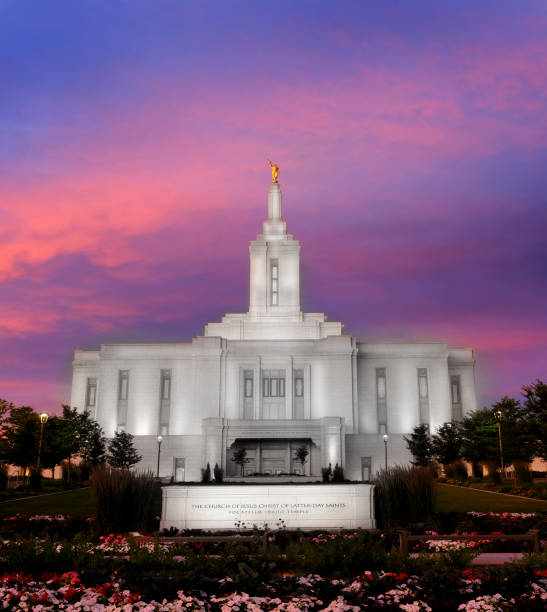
(248,385)
(455,396)
(423,396)
(299,383)
(91,393)
(248,394)
(381,399)
(123,393)
(166,385)
(274,280)
(165,401)
(298,394)
(123,385)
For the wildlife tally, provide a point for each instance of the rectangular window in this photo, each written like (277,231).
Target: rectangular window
(274,281)
(423,395)
(456,397)
(123,385)
(455,384)
(91,393)
(123,392)
(165,401)
(273,383)
(381,399)
(299,383)
(166,385)
(422,383)
(248,383)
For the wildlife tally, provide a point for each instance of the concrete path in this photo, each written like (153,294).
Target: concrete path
(496,558)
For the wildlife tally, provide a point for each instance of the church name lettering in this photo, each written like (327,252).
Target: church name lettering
(279,508)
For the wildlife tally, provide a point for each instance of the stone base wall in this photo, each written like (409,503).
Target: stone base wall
(313,506)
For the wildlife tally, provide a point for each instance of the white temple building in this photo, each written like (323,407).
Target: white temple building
(272,380)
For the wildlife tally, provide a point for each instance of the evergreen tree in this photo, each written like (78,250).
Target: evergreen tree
(446,444)
(419,445)
(218,473)
(121,452)
(206,474)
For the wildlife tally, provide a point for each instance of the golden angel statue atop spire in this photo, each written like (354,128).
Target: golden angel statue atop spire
(275,170)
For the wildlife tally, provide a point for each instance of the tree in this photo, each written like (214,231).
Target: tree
(519,440)
(480,437)
(57,443)
(88,437)
(21,437)
(239,457)
(218,473)
(535,414)
(419,445)
(121,452)
(446,444)
(301,454)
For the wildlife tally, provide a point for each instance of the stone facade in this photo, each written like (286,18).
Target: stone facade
(272,380)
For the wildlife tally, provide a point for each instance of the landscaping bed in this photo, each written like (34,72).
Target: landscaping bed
(61,562)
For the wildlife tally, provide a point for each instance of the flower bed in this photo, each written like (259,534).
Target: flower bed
(319,571)
(370,591)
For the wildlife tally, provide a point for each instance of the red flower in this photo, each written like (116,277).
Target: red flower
(401,577)
(105,589)
(71,594)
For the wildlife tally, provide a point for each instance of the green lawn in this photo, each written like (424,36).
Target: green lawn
(460,499)
(463,499)
(77,501)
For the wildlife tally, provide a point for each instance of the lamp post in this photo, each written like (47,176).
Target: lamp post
(43,421)
(385,448)
(498,417)
(160,440)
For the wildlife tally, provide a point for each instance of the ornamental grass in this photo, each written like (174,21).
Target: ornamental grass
(404,495)
(125,500)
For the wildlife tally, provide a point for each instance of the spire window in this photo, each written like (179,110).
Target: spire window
(274,282)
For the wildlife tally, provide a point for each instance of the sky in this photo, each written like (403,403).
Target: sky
(411,140)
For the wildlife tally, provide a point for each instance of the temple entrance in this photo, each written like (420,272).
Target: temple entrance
(270,458)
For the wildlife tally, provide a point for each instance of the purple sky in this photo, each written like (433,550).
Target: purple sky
(411,139)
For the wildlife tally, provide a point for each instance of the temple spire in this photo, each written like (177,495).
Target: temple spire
(274,226)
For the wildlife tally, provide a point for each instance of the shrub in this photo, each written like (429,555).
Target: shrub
(206,474)
(326,473)
(35,477)
(523,476)
(85,470)
(404,495)
(125,500)
(494,474)
(70,471)
(478,472)
(3,476)
(218,473)
(338,473)
(456,471)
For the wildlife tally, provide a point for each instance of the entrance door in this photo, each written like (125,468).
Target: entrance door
(180,466)
(366,468)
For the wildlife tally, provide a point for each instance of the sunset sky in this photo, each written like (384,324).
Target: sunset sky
(412,143)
